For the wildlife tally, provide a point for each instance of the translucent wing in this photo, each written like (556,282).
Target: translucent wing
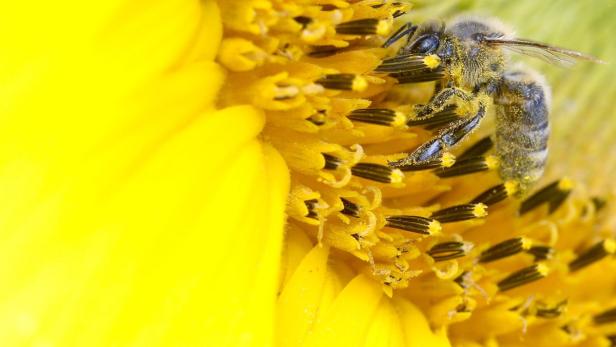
(551,54)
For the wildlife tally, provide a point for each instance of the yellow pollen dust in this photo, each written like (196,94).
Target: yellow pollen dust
(359,84)
(493,163)
(566,184)
(435,227)
(383,28)
(526,243)
(609,245)
(543,269)
(480,210)
(511,187)
(397,176)
(432,61)
(448,159)
(399,120)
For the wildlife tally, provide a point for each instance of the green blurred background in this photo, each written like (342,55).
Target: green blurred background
(583,116)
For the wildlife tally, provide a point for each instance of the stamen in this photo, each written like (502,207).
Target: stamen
(496,193)
(612,339)
(449,250)
(380,116)
(285,92)
(463,280)
(605,317)
(468,166)
(444,161)
(377,172)
(318,118)
(366,26)
(438,120)
(599,203)
(343,81)
(505,249)
(323,51)
(595,253)
(523,276)
(409,63)
(480,148)
(311,204)
(551,312)
(350,208)
(415,224)
(541,252)
(303,20)
(460,213)
(331,162)
(420,76)
(554,194)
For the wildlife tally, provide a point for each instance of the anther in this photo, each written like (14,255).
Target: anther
(409,63)
(595,253)
(331,162)
(460,213)
(377,172)
(285,92)
(553,194)
(480,148)
(605,317)
(311,204)
(366,26)
(379,116)
(449,250)
(343,81)
(323,51)
(541,252)
(505,249)
(426,75)
(415,224)
(496,194)
(318,118)
(303,20)
(438,120)
(467,166)
(599,203)
(523,276)
(446,160)
(350,208)
(463,280)
(543,311)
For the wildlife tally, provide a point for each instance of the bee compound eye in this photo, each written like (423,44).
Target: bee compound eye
(425,44)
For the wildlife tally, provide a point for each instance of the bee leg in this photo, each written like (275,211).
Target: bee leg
(407,30)
(446,138)
(445,97)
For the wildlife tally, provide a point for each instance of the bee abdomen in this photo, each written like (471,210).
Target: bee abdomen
(522,127)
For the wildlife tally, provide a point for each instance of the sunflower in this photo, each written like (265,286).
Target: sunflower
(214,173)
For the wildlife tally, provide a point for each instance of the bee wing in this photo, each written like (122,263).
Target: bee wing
(551,54)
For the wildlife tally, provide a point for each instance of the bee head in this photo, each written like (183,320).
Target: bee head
(460,45)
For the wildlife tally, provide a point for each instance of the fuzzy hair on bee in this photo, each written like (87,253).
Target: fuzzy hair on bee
(468,57)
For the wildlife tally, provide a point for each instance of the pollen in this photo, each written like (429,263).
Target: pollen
(485,261)
(432,61)
(448,159)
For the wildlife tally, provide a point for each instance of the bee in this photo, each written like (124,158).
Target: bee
(467,57)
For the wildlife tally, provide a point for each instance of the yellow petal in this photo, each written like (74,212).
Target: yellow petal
(416,330)
(352,310)
(129,215)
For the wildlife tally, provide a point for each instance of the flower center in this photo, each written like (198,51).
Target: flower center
(446,232)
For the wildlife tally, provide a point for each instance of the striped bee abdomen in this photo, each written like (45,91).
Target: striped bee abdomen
(522,127)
